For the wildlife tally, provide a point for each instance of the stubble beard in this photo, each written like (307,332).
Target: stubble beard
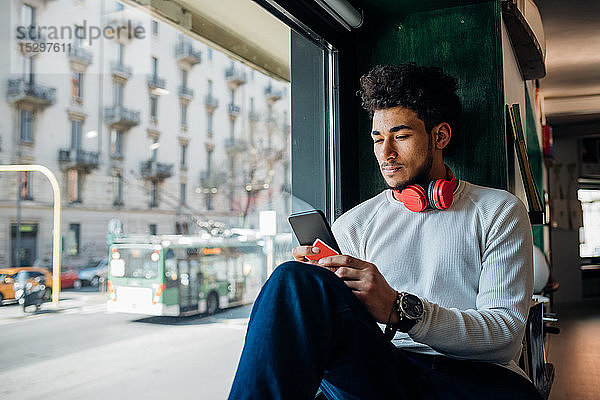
(422,176)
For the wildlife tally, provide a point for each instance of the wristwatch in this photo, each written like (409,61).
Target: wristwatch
(410,311)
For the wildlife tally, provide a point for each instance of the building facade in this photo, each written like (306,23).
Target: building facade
(150,126)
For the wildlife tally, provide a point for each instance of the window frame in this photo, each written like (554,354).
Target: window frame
(26,186)
(77,238)
(118,189)
(73,186)
(183,155)
(26,119)
(153,194)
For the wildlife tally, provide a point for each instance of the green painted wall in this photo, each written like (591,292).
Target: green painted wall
(466,42)
(534,153)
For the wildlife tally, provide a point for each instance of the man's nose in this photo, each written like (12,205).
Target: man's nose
(388,150)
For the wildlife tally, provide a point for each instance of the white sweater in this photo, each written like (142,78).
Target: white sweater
(470,264)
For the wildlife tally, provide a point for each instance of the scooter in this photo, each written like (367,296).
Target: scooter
(29,291)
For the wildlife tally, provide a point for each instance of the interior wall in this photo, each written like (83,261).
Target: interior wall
(465,41)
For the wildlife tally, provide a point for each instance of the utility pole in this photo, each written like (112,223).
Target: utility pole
(17,251)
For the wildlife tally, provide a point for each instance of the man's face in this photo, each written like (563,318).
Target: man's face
(404,149)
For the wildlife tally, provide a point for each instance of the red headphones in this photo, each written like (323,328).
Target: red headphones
(438,195)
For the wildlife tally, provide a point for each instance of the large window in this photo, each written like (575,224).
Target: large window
(183,111)
(217,157)
(27,15)
(28,66)
(183,157)
(26,192)
(182,193)
(118,94)
(116,150)
(76,134)
(77,85)
(74,186)
(73,239)
(26,126)
(153,107)
(153,194)
(589,234)
(118,188)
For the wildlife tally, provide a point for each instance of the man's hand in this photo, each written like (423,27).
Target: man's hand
(367,283)
(300,252)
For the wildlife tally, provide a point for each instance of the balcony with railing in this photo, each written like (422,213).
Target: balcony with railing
(185,52)
(235,145)
(211,103)
(80,55)
(235,77)
(121,70)
(156,84)
(154,170)
(233,110)
(272,95)
(254,116)
(185,93)
(79,159)
(21,91)
(119,116)
(210,180)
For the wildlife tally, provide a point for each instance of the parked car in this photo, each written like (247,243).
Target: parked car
(69,278)
(93,273)
(9,273)
(7,291)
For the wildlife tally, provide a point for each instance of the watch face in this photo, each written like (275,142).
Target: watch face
(412,306)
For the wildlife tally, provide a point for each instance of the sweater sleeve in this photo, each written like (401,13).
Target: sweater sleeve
(493,332)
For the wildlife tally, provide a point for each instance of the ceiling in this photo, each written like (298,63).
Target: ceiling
(571,87)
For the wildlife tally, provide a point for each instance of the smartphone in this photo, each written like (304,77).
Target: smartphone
(308,226)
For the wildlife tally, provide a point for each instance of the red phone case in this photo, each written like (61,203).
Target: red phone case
(326,251)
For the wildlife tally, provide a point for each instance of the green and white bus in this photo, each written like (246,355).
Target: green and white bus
(183,275)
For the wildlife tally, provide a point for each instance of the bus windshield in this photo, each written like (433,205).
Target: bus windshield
(135,263)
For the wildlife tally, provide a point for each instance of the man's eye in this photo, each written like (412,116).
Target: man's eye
(378,141)
(401,136)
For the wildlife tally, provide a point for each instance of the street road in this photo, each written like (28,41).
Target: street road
(79,351)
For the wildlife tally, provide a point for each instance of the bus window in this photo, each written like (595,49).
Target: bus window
(138,263)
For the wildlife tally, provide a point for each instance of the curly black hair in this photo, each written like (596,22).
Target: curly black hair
(428,91)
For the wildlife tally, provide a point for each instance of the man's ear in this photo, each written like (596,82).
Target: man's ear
(441,133)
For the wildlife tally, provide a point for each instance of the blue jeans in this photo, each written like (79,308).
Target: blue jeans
(307,329)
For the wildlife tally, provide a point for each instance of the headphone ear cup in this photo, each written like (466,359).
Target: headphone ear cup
(440,193)
(431,194)
(414,198)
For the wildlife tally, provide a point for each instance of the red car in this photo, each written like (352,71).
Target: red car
(69,278)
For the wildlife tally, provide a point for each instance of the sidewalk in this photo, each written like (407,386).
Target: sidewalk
(70,301)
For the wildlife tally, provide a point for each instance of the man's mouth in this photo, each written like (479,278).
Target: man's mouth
(391,169)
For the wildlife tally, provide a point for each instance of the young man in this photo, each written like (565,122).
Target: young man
(444,266)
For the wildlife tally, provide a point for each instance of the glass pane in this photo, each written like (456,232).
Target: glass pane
(157,129)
